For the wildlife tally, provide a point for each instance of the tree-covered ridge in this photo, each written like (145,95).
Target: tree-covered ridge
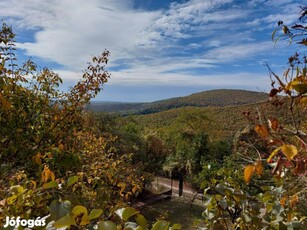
(120,107)
(222,122)
(211,98)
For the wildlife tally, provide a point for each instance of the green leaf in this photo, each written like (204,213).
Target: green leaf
(65,221)
(223,204)
(106,225)
(126,213)
(71,180)
(51,184)
(300,88)
(176,227)
(221,189)
(11,199)
(140,219)
(59,209)
(140,228)
(161,225)
(95,213)
(269,207)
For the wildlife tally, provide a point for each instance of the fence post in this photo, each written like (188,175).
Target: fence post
(171,175)
(180,184)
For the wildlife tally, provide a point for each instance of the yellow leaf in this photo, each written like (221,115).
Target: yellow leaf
(52,176)
(299,84)
(283,201)
(37,159)
(293,201)
(5,103)
(61,147)
(11,199)
(290,216)
(258,167)
(248,173)
(262,131)
(47,173)
(273,123)
(134,189)
(289,151)
(34,184)
(303,101)
(273,154)
(80,215)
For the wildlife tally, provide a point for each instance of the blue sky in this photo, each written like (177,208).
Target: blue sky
(159,48)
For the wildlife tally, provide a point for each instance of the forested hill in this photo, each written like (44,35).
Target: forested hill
(212,98)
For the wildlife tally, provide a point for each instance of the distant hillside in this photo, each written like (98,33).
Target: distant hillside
(223,122)
(212,98)
(120,107)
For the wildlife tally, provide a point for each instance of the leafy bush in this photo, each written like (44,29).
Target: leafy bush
(49,147)
(279,199)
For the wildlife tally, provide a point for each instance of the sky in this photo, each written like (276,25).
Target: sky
(159,48)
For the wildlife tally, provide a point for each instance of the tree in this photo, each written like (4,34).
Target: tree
(281,194)
(49,147)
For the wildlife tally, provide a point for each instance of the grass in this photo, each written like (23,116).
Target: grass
(175,210)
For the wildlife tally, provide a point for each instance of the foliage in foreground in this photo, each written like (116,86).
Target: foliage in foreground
(275,193)
(50,149)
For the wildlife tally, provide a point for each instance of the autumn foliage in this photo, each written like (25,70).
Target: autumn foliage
(274,195)
(72,167)
(51,149)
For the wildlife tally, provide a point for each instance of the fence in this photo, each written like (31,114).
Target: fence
(162,184)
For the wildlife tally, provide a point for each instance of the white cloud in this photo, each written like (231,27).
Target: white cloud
(236,52)
(250,80)
(194,46)
(70,32)
(185,19)
(282,10)
(214,43)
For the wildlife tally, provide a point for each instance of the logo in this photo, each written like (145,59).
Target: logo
(23,222)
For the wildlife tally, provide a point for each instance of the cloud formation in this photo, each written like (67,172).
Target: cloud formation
(186,43)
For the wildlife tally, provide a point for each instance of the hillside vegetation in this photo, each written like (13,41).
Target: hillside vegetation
(221,122)
(212,98)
